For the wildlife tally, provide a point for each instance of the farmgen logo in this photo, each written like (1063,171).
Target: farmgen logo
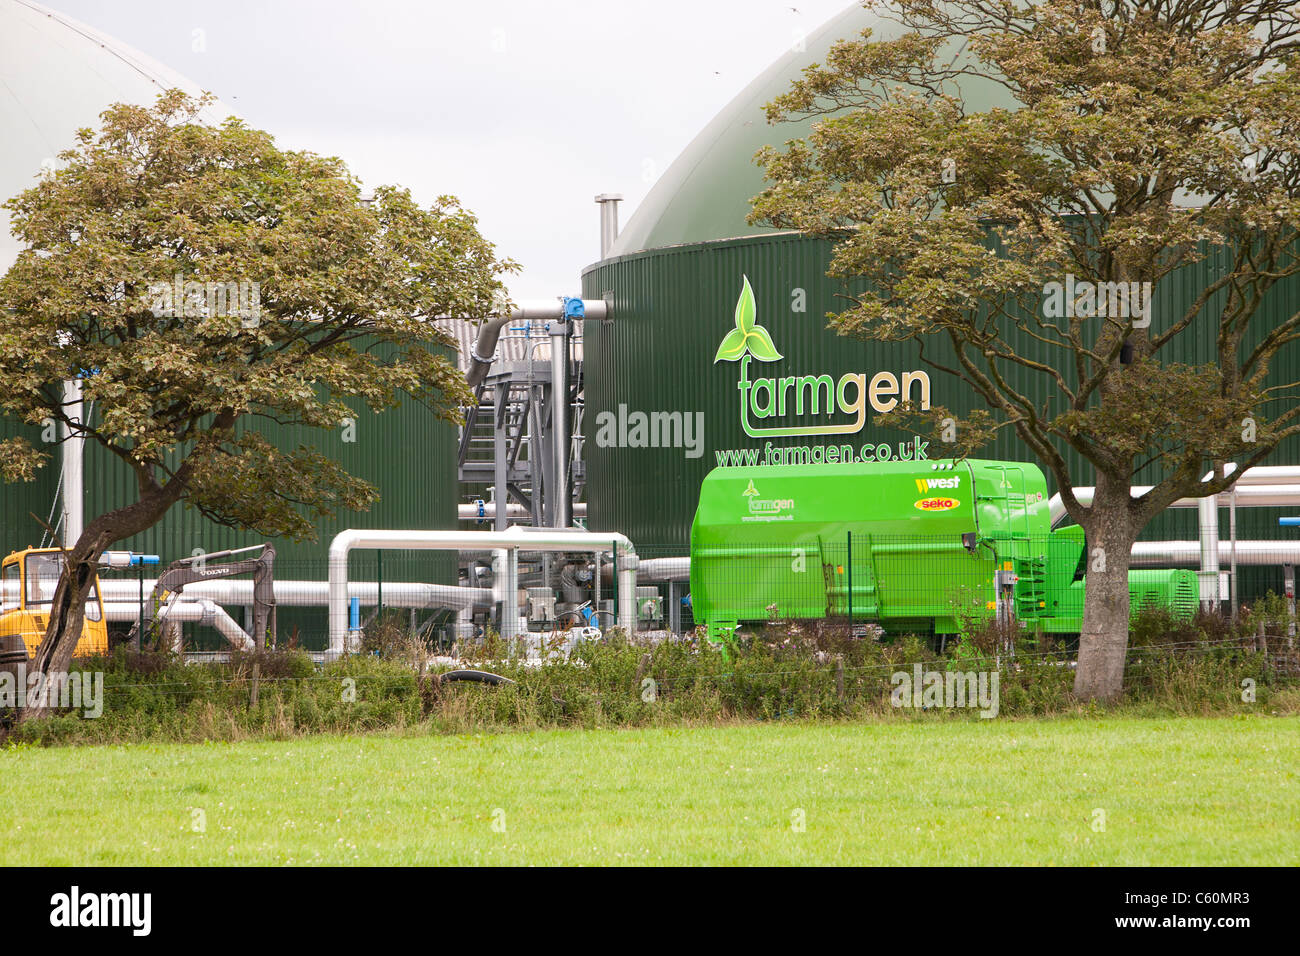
(766,509)
(764,399)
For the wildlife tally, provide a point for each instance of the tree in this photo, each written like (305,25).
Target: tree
(1147,136)
(198,281)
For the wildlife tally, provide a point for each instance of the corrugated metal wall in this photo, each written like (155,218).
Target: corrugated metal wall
(21,500)
(406,453)
(673,306)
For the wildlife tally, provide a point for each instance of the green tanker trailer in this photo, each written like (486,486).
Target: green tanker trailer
(918,547)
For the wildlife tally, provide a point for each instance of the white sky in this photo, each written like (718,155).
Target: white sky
(524,110)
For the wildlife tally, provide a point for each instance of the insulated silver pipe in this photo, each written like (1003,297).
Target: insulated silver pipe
(559,423)
(1207,514)
(538,310)
(471,512)
(533,539)
(608,221)
(505,590)
(658,569)
(1272,490)
(73,465)
(207,613)
(1187,554)
(1265,474)
(309,593)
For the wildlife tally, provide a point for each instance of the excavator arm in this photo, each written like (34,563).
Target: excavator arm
(178,574)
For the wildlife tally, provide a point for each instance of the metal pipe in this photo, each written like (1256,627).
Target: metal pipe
(559,428)
(205,612)
(1265,486)
(1207,510)
(658,569)
(1188,554)
(540,310)
(73,464)
(505,590)
(1232,537)
(532,540)
(1264,474)
(487,511)
(313,593)
(608,221)
(1260,487)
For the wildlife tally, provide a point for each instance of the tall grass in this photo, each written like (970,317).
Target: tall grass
(782,671)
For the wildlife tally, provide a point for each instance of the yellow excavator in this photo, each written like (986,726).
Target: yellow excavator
(27,582)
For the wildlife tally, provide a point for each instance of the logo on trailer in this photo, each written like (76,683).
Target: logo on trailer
(766,508)
(937,504)
(934,484)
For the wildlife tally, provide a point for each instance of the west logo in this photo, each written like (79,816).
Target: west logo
(770,398)
(930,484)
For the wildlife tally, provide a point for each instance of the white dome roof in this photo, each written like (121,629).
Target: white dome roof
(56,76)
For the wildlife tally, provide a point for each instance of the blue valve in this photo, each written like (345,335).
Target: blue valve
(573,308)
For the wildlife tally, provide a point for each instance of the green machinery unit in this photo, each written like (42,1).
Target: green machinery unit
(916,547)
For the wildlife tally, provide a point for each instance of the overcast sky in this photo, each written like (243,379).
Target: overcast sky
(524,110)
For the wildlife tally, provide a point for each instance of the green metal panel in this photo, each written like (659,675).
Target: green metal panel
(671,308)
(912,546)
(1174,589)
(794,541)
(22,500)
(406,453)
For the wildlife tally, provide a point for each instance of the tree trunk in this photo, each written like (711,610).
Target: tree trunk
(67,614)
(1103,642)
(68,608)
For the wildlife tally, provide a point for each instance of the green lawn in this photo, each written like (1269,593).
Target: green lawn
(1174,791)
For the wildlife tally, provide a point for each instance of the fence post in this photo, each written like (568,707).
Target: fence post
(379,579)
(849,534)
(139,631)
(642,666)
(839,677)
(1288,582)
(253,691)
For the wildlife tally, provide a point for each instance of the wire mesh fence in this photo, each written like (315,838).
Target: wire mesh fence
(888,584)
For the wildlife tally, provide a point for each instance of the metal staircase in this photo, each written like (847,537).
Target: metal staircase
(506,446)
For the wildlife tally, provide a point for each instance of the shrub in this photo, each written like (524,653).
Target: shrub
(781,671)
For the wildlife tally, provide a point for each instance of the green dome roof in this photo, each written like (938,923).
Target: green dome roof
(706,192)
